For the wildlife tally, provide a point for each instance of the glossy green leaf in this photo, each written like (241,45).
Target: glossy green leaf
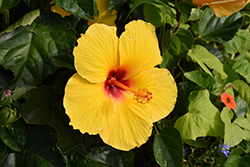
(203,118)
(7,4)
(18,93)
(27,19)
(204,58)
(168,149)
(65,60)
(236,131)
(81,8)
(212,28)
(200,78)
(14,136)
(243,68)
(27,51)
(244,91)
(44,106)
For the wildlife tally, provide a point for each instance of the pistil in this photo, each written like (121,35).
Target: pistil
(142,96)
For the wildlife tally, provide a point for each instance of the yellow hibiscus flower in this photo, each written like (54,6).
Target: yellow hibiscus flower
(222,7)
(116,92)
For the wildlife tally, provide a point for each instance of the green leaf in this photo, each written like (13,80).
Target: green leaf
(237,131)
(185,9)
(241,107)
(44,106)
(94,155)
(81,8)
(181,42)
(114,4)
(41,149)
(212,28)
(244,91)
(195,14)
(201,55)
(19,92)
(233,158)
(155,16)
(200,78)
(27,19)
(27,51)
(243,68)
(244,161)
(203,118)
(14,136)
(168,149)
(234,45)
(7,4)
(65,60)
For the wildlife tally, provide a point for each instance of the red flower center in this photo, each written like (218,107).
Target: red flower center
(116,84)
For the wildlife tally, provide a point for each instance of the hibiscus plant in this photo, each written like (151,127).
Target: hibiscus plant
(124,83)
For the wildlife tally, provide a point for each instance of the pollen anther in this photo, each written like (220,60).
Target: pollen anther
(142,96)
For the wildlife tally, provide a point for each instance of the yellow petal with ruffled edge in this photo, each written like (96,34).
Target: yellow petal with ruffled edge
(107,17)
(138,47)
(97,53)
(87,105)
(227,8)
(131,126)
(163,88)
(59,10)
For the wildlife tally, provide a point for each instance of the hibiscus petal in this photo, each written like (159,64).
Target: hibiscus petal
(97,53)
(228,8)
(107,17)
(88,107)
(102,5)
(131,126)
(163,88)
(138,47)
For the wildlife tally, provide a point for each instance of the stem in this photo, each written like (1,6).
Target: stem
(156,129)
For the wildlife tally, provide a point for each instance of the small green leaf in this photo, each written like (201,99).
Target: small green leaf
(237,131)
(27,19)
(168,149)
(241,107)
(212,28)
(242,66)
(203,118)
(200,78)
(244,91)
(14,136)
(201,55)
